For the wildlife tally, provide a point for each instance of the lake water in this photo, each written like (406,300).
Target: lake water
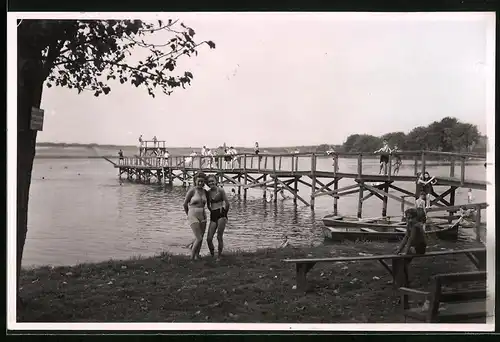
(79,212)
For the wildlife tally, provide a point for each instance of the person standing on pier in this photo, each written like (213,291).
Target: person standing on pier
(219,207)
(140,145)
(470,198)
(227,157)
(210,157)
(420,206)
(397,160)
(158,153)
(166,157)
(330,152)
(384,151)
(425,183)
(154,141)
(194,206)
(203,155)
(257,151)
(234,157)
(120,156)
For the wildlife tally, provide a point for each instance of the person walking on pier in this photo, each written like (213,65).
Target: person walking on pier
(194,206)
(384,151)
(219,207)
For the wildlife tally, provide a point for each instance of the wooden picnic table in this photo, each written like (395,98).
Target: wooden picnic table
(398,268)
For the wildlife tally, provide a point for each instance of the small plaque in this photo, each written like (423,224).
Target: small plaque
(36,119)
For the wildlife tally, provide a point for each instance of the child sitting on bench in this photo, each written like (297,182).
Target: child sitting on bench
(414,241)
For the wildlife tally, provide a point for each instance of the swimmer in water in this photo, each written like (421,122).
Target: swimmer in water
(194,206)
(219,207)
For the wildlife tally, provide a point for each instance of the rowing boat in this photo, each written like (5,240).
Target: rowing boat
(386,229)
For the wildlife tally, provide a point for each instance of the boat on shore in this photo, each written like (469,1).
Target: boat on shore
(340,228)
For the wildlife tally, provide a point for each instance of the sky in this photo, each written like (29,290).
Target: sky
(287,79)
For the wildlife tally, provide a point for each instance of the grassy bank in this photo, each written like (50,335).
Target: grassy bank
(243,287)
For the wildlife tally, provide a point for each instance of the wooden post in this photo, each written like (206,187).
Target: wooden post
(462,176)
(390,168)
(251,162)
(335,197)
(264,178)
(279,167)
(423,162)
(295,187)
(384,201)
(246,176)
(360,166)
(297,163)
(265,163)
(293,163)
(452,167)
(335,165)
(452,203)
(403,206)
(360,198)
(275,199)
(239,182)
(415,171)
(313,178)
(478,223)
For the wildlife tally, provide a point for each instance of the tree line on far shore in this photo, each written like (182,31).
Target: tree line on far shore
(447,135)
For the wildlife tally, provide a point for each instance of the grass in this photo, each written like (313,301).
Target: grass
(243,287)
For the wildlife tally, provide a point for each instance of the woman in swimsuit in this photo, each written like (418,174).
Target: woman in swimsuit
(425,183)
(194,206)
(219,206)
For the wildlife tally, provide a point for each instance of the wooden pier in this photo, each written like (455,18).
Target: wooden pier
(284,171)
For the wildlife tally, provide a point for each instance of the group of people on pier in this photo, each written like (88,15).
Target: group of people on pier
(385,151)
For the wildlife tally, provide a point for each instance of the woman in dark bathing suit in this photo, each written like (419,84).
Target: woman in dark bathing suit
(219,206)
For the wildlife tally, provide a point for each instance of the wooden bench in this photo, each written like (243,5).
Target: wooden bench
(460,306)
(398,269)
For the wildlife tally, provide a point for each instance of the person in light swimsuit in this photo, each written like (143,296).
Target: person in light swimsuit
(194,206)
(219,206)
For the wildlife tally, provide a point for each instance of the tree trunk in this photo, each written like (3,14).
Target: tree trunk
(29,94)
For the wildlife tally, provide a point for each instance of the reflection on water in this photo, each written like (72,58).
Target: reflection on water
(79,212)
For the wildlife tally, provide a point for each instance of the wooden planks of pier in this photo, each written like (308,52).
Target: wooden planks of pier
(274,172)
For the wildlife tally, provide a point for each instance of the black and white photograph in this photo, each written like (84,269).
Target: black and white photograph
(291,170)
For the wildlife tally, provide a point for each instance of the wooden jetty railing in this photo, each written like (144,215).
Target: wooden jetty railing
(319,171)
